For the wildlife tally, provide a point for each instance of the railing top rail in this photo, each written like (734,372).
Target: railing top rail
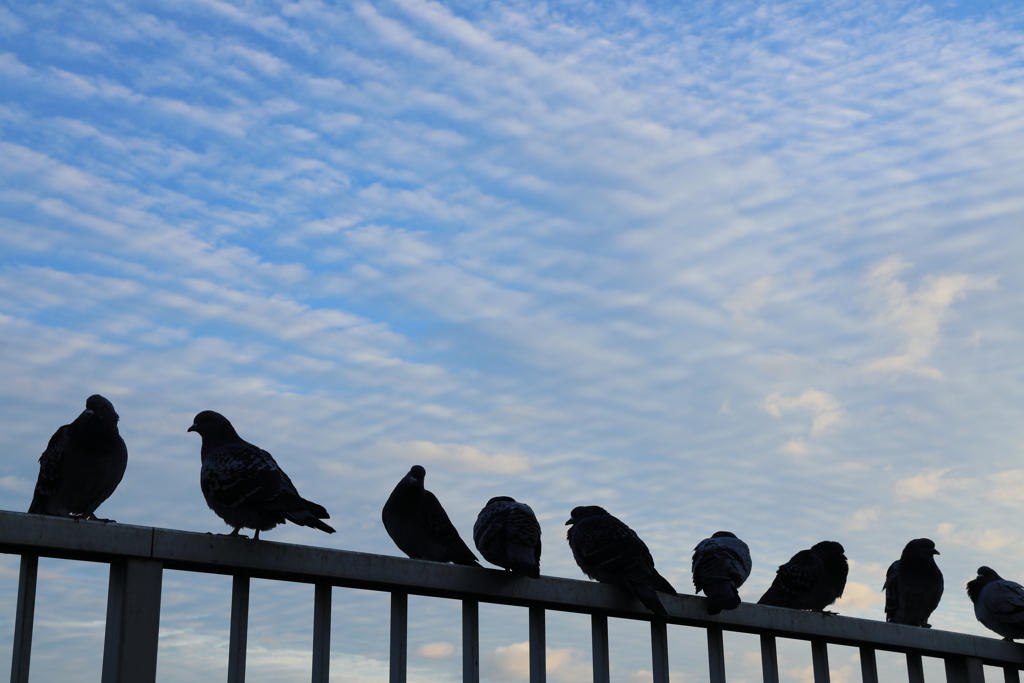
(22,533)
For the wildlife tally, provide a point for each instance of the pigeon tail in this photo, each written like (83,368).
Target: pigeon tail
(306,518)
(721,596)
(661,583)
(523,560)
(646,595)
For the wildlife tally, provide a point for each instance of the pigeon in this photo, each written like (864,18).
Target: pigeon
(82,465)
(507,534)
(610,552)
(720,566)
(998,603)
(244,485)
(419,526)
(812,579)
(913,585)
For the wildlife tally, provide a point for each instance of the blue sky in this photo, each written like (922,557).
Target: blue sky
(730,266)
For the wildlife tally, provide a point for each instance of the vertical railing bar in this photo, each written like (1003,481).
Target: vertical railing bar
(399,636)
(238,639)
(964,670)
(769,659)
(322,633)
(868,665)
(915,668)
(538,646)
(470,641)
(131,637)
(599,647)
(819,658)
(716,655)
(1010,675)
(24,618)
(659,650)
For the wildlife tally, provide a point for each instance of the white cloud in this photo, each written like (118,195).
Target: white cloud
(440,650)
(512,663)
(468,457)
(983,539)
(862,519)
(745,303)
(930,483)
(918,316)
(860,596)
(1006,486)
(827,410)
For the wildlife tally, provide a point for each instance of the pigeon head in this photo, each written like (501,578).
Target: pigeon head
(924,546)
(501,499)
(102,409)
(97,421)
(986,576)
(829,549)
(723,534)
(584,511)
(213,427)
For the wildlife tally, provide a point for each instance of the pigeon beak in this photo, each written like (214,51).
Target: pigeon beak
(936,552)
(568,521)
(193,428)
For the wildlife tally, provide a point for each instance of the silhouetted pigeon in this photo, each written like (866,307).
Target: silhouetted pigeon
(998,603)
(812,579)
(913,585)
(610,552)
(419,526)
(720,566)
(244,485)
(507,534)
(82,465)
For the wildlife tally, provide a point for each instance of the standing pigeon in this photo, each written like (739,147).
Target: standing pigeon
(419,526)
(609,551)
(720,566)
(913,585)
(998,603)
(244,485)
(812,579)
(82,464)
(507,534)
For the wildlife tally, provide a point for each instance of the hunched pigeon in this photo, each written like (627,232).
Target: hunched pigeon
(610,552)
(720,566)
(244,485)
(419,526)
(913,585)
(812,579)
(82,465)
(507,534)
(998,603)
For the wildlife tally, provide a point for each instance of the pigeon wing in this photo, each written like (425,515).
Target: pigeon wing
(242,474)
(794,580)
(440,529)
(50,470)
(892,590)
(1004,601)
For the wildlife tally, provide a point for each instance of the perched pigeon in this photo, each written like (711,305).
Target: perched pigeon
(812,579)
(419,526)
(720,566)
(609,551)
(82,464)
(507,534)
(913,585)
(998,603)
(244,485)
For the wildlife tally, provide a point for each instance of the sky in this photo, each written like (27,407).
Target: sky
(728,265)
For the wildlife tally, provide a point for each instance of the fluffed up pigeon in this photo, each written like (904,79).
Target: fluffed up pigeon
(610,552)
(998,603)
(82,465)
(244,485)
(419,526)
(720,566)
(913,585)
(507,534)
(812,579)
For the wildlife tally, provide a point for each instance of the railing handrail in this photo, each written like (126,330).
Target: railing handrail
(25,534)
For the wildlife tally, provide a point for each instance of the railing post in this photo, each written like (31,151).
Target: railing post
(819,658)
(716,655)
(470,641)
(769,659)
(21,657)
(399,636)
(1011,675)
(133,621)
(868,665)
(538,646)
(599,647)
(322,633)
(659,650)
(915,668)
(239,636)
(964,670)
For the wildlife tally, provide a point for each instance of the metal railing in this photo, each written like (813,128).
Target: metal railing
(138,555)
